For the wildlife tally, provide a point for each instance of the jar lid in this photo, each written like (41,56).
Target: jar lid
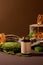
(26,40)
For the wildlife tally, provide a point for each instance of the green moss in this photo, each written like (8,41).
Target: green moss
(12,46)
(31,35)
(38,49)
(9,52)
(24,55)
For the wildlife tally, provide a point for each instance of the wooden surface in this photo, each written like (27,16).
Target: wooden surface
(6,59)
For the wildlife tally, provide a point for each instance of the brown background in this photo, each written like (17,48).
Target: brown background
(17,15)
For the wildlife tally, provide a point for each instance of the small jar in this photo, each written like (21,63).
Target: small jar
(25,46)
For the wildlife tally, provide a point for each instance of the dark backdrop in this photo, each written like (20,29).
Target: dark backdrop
(17,15)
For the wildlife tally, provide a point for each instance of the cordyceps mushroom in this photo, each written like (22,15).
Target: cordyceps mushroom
(40,19)
(2,38)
